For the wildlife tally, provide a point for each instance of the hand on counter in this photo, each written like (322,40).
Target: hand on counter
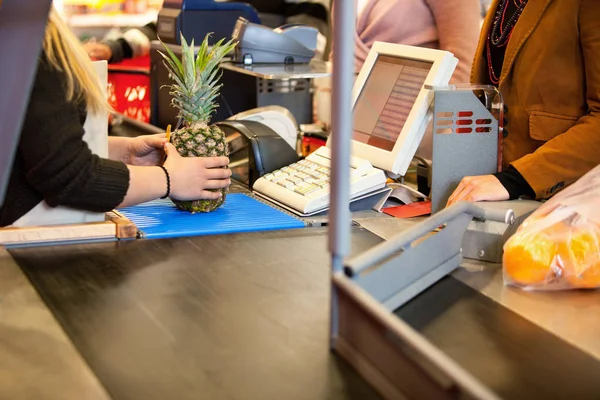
(479,188)
(192,176)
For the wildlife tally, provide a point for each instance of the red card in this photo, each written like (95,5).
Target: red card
(416,209)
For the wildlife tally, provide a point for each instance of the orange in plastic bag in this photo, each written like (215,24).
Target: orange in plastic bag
(528,258)
(558,246)
(581,253)
(565,255)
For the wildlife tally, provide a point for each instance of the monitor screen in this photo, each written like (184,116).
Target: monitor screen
(387,98)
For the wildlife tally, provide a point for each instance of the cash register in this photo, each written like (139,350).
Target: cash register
(392,107)
(269,67)
(195,18)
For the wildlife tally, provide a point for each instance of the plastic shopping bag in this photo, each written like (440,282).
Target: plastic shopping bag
(558,246)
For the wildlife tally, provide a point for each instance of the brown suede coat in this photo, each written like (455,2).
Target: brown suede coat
(551,84)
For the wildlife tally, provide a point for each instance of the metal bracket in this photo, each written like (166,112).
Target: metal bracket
(484,240)
(467,132)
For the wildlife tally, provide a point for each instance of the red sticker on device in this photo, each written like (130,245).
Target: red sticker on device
(411,210)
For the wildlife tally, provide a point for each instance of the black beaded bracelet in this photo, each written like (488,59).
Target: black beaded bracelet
(168,182)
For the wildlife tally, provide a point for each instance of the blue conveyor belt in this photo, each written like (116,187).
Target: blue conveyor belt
(240,213)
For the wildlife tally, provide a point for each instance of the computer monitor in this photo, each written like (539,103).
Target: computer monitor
(22,25)
(391,105)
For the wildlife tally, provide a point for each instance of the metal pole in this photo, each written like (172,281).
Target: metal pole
(341,134)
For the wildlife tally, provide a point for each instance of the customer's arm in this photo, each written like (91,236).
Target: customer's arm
(567,157)
(458,24)
(563,159)
(132,43)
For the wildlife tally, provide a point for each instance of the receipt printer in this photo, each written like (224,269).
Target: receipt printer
(196,18)
(260,141)
(288,44)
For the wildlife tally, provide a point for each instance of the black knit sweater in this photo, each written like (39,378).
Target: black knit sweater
(53,163)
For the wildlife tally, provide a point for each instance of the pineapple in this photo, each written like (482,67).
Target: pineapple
(194,91)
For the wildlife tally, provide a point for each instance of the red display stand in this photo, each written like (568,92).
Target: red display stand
(129,88)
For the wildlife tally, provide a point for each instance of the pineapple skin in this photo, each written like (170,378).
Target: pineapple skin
(195,89)
(200,141)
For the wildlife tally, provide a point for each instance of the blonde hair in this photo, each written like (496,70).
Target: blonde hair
(65,53)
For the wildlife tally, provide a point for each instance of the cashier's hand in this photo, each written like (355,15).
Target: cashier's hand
(191,177)
(479,188)
(98,51)
(146,150)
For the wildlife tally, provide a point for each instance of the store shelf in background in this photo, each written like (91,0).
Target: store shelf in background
(111,20)
(108,13)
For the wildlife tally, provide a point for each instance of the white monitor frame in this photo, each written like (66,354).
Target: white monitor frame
(443,65)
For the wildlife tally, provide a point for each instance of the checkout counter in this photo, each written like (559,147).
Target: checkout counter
(246,316)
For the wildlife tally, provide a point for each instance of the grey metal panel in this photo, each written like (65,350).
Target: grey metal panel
(485,242)
(391,247)
(413,265)
(458,155)
(425,281)
(22,25)
(293,94)
(395,271)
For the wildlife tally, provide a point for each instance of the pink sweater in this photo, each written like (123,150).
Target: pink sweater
(451,25)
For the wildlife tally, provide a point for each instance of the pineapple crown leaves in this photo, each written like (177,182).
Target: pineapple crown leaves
(195,86)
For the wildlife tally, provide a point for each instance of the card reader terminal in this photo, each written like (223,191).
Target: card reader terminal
(288,44)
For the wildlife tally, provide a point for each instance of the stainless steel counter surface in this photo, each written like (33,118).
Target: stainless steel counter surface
(574,316)
(38,360)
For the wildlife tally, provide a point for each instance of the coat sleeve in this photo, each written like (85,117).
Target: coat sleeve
(58,163)
(570,155)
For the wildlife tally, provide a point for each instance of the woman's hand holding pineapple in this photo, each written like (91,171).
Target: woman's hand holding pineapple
(195,91)
(143,151)
(195,174)
(192,177)
(147,150)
